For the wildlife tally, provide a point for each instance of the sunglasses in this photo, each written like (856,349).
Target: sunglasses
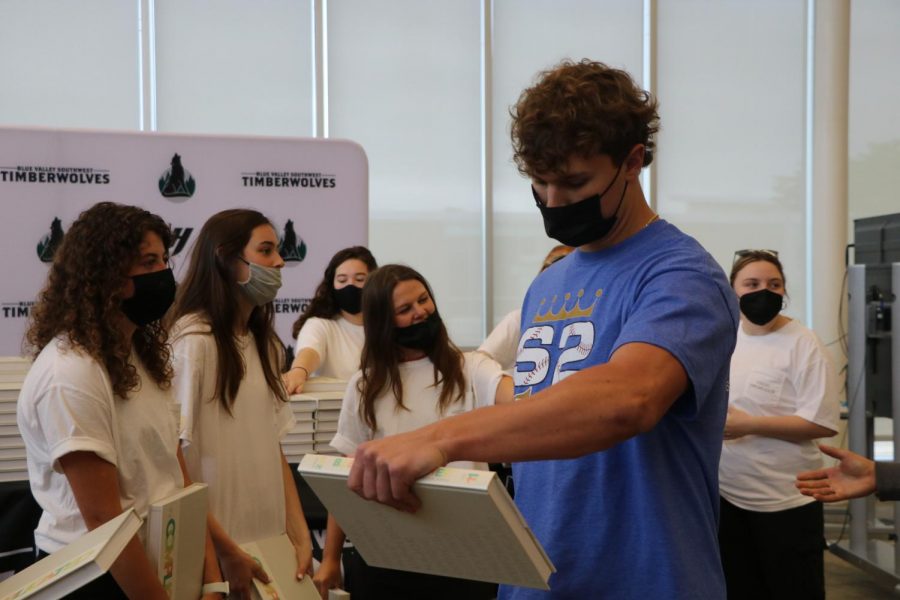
(739,254)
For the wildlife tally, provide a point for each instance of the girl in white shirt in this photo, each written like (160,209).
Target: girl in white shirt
(96,410)
(234,406)
(330,332)
(783,395)
(411,375)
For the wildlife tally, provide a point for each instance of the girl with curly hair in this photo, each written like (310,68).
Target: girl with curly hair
(329,333)
(411,375)
(96,410)
(234,409)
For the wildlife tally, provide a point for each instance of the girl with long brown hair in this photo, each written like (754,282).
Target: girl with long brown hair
(329,333)
(411,375)
(234,409)
(96,409)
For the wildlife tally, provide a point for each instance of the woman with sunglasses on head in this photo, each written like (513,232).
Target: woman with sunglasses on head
(96,410)
(411,375)
(783,395)
(329,333)
(234,407)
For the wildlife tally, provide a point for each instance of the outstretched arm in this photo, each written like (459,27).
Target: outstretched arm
(305,363)
(637,386)
(789,428)
(852,477)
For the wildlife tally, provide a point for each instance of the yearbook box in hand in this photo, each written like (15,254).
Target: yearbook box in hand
(176,541)
(467,527)
(76,565)
(278,559)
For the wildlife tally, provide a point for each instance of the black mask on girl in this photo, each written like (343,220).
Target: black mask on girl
(153,295)
(761,306)
(419,336)
(582,222)
(349,298)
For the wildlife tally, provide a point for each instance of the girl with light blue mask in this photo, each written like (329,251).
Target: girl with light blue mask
(234,409)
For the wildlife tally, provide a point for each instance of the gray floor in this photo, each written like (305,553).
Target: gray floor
(844,581)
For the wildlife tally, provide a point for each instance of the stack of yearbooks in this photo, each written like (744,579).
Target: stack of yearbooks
(12,449)
(299,440)
(316,411)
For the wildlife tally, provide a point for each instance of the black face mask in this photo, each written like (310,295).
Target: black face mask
(582,222)
(349,299)
(421,335)
(153,295)
(761,306)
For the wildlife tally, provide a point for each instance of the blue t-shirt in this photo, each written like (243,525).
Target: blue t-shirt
(640,519)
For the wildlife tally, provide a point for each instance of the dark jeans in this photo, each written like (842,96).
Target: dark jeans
(102,588)
(773,555)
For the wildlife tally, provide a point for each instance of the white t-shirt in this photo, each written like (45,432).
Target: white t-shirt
(239,454)
(420,396)
(337,341)
(503,342)
(67,405)
(786,372)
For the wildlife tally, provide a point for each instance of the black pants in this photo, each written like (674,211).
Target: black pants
(102,588)
(374,583)
(773,555)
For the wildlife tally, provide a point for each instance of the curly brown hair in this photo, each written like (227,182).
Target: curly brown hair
(81,301)
(581,109)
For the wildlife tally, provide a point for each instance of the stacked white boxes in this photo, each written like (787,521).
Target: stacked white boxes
(316,411)
(12,448)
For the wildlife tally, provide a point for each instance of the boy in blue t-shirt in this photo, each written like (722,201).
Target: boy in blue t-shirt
(621,370)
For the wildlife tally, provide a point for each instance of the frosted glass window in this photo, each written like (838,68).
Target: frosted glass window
(234,67)
(531,36)
(874,109)
(730,165)
(70,64)
(404,81)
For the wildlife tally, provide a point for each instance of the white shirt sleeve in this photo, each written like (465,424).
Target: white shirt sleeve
(73,420)
(352,430)
(314,335)
(484,375)
(503,341)
(189,360)
(817,384)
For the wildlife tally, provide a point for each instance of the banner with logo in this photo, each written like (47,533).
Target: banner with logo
(314,191)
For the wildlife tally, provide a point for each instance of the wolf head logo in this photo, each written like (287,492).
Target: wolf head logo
(288,247)
(177,182)
(46,248)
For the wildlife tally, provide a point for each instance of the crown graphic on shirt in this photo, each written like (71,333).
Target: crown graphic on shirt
(573,311)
